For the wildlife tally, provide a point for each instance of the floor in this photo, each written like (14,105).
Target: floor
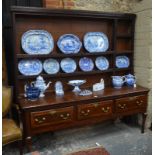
(118,139)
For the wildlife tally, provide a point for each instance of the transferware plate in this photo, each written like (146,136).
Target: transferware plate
(69,44)
(122,62)
(37,42)
(30,67)
(96,42)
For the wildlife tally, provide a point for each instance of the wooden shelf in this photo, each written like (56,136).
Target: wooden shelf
(124,52)
(21,56)
(124,36)
(122,69)
(65,74)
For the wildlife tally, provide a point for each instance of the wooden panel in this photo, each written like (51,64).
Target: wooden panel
(123,44)
(51,117)
(124,27)
(131,103)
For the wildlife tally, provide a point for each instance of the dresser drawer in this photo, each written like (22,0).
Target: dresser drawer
(129,103)
(49,117)
(95,109)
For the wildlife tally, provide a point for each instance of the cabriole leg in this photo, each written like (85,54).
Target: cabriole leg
(144,115)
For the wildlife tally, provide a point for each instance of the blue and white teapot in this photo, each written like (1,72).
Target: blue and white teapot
(118,81)
(40,83)
(31,92)
(130,80)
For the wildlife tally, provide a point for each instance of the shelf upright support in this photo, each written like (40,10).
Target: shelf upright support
(114,43)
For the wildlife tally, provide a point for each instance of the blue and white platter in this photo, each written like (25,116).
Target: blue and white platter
(51,66)
(96,42)
(122,62)
(68,65)
(30,67)
(102,63)
(37,42)
(69,44)
(86,64)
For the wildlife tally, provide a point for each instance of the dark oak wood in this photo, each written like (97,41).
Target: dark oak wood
(52,112)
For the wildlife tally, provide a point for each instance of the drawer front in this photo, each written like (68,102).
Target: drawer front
(95,109)
(53,116)
(129,103)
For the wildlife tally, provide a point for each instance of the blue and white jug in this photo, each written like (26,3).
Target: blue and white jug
(118,81)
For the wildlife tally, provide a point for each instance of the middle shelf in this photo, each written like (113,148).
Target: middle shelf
(75,73)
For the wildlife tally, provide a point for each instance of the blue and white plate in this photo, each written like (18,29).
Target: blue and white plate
(68,65)
(69,44)
(122,62)
(102,63)
(30,67)
(37,42)
(51,66)
(96,42)
(86,64)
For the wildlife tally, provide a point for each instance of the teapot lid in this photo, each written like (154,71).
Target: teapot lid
(129,75)
(40,78)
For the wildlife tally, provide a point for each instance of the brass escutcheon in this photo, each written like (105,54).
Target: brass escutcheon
(52,112)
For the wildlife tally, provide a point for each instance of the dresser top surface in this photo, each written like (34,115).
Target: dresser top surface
(51,99)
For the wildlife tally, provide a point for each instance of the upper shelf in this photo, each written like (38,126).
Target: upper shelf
(124,36)
(65,74)
(61,55)
(24,56)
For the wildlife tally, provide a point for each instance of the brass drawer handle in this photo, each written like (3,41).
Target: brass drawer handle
(36,119)
(65,117)
(122,106)
(85,112)
(44,118)
(139,103)
(105,110)
(41,120)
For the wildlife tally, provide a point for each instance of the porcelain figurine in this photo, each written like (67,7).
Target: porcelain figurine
(118,81)
(98,86)
(31,92)
(40,83)
(59,88)
(130,80)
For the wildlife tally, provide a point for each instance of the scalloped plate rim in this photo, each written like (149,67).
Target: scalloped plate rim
(33,32)
(88,34)
(63,37)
